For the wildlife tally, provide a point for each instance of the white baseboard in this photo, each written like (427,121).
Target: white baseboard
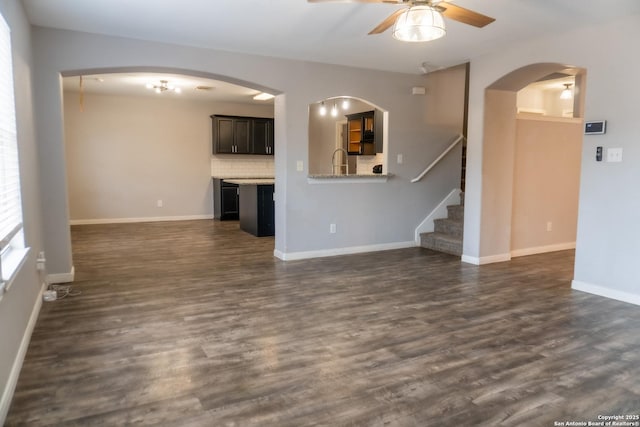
(10,386)
(543,249)
(486,259)
(292,256)
(62,277)
(517,253)
(605,292)
(440,211)
(141,219)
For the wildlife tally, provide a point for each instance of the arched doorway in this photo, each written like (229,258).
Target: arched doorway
(145,172)
(500,159)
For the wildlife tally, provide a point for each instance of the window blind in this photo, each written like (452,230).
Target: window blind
(10,204)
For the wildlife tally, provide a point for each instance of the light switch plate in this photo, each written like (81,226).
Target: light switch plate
(614,154)
(299,166)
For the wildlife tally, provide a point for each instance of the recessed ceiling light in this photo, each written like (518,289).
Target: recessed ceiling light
(263,96)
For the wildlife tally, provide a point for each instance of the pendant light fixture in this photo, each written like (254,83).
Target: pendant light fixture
(421,23)
(345,104)
(566,92)
(323,109)
(334,110)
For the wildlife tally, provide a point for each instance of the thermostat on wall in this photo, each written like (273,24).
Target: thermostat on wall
(595,127)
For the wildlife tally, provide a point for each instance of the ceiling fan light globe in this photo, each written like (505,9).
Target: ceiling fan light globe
(419,24)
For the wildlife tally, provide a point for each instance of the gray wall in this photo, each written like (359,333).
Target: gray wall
(365,214)
(608,237)
(20,303)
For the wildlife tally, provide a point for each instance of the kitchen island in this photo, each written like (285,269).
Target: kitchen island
(257,208)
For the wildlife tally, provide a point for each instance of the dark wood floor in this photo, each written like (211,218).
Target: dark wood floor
(197,324)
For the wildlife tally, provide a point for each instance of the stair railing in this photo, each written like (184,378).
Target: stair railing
(440,157)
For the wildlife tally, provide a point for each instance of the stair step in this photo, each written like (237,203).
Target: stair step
(452,227)
(441,242)
(455,212)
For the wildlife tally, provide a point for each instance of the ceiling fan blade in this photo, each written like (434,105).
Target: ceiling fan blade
(384,25)
(465,16)
(348,1)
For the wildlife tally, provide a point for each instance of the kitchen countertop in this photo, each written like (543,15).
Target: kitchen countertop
(343,176)
(348,179)
(251,181)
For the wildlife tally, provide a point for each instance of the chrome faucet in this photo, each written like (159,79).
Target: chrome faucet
(337,168)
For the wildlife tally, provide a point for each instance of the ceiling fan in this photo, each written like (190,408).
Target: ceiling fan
(421,20)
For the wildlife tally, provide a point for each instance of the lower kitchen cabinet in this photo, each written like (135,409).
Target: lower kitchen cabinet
(226,200)
(257,210)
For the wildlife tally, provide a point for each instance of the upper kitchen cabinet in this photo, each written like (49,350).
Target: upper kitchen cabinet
(263,136)
(242,135)
(231,135)
(364,132)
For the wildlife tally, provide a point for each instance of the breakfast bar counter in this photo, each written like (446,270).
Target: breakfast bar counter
(257,208)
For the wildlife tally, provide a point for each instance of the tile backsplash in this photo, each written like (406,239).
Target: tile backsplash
(237,166)
(248,166)
(366,163)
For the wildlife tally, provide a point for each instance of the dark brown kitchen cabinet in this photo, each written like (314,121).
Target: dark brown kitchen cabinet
(223,131)
(257,209)
(361,131)
(242,135)
(262,136)
(226,200)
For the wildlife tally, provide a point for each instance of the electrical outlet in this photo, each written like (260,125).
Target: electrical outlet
(159,203)
(400,159)
(299,165)
(332,228)
(549,226)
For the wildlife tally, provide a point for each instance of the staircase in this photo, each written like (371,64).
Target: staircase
(447,235)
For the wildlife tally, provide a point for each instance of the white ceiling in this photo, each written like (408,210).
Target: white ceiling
(333,33)
(329,32)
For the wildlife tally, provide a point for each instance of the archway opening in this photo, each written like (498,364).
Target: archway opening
(133,155)
(531,167)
